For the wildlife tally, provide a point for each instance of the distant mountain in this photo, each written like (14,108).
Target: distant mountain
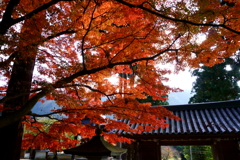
(173,99)
(45,108)
(179,97)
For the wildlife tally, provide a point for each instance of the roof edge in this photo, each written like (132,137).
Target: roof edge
(205,105)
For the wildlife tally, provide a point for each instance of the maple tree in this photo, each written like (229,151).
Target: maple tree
(64,50)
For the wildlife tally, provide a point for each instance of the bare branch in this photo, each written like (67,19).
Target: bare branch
(85,35)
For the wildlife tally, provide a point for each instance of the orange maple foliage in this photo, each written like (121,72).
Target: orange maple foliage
(78,44)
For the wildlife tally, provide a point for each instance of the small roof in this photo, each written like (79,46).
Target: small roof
(203,118)
(97,146)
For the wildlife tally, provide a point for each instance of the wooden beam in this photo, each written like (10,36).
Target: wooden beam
(185,137)
(185,143)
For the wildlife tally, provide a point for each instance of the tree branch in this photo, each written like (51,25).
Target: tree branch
(67,31)
(7,21)
(5,63)
(111,65)
(11,118)
(176,19)
(85,35)
(13,55)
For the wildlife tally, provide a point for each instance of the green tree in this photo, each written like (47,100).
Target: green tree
(216,83)
(180,149)
(198,152)
(149,99)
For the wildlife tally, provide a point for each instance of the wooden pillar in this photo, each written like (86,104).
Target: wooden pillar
(148,150)
(94,157)
(32,153)
(72,157)
(136,151)
(22,153)
(130,151)
(159,151)
(225,150)
(126,146)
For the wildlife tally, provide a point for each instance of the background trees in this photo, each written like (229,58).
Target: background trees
(65,50)
(153,102)
(168,152)
(198,152)
(216,83)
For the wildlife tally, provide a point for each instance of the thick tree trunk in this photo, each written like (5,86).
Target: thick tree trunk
(11,138)
(19,85)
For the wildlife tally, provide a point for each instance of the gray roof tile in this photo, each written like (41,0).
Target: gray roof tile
(219,117)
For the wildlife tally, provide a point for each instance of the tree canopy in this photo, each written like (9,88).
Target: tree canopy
(217,83)
(153,102)
(198,152)
(65,50)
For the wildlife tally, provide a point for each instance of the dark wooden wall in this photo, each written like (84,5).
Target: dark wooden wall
(151,150)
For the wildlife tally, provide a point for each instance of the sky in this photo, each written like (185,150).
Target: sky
(182,80)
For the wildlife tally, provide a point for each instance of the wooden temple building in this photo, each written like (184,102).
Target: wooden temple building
(215,124)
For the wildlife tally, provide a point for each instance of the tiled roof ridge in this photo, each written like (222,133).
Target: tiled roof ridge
(202,118)
(205,105)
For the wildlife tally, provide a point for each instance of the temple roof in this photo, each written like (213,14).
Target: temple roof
(203,118)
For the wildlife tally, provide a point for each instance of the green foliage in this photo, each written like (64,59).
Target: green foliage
(153,102)
(180,150)
(169,153)
(198,152)
(216,83)
(213,84)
